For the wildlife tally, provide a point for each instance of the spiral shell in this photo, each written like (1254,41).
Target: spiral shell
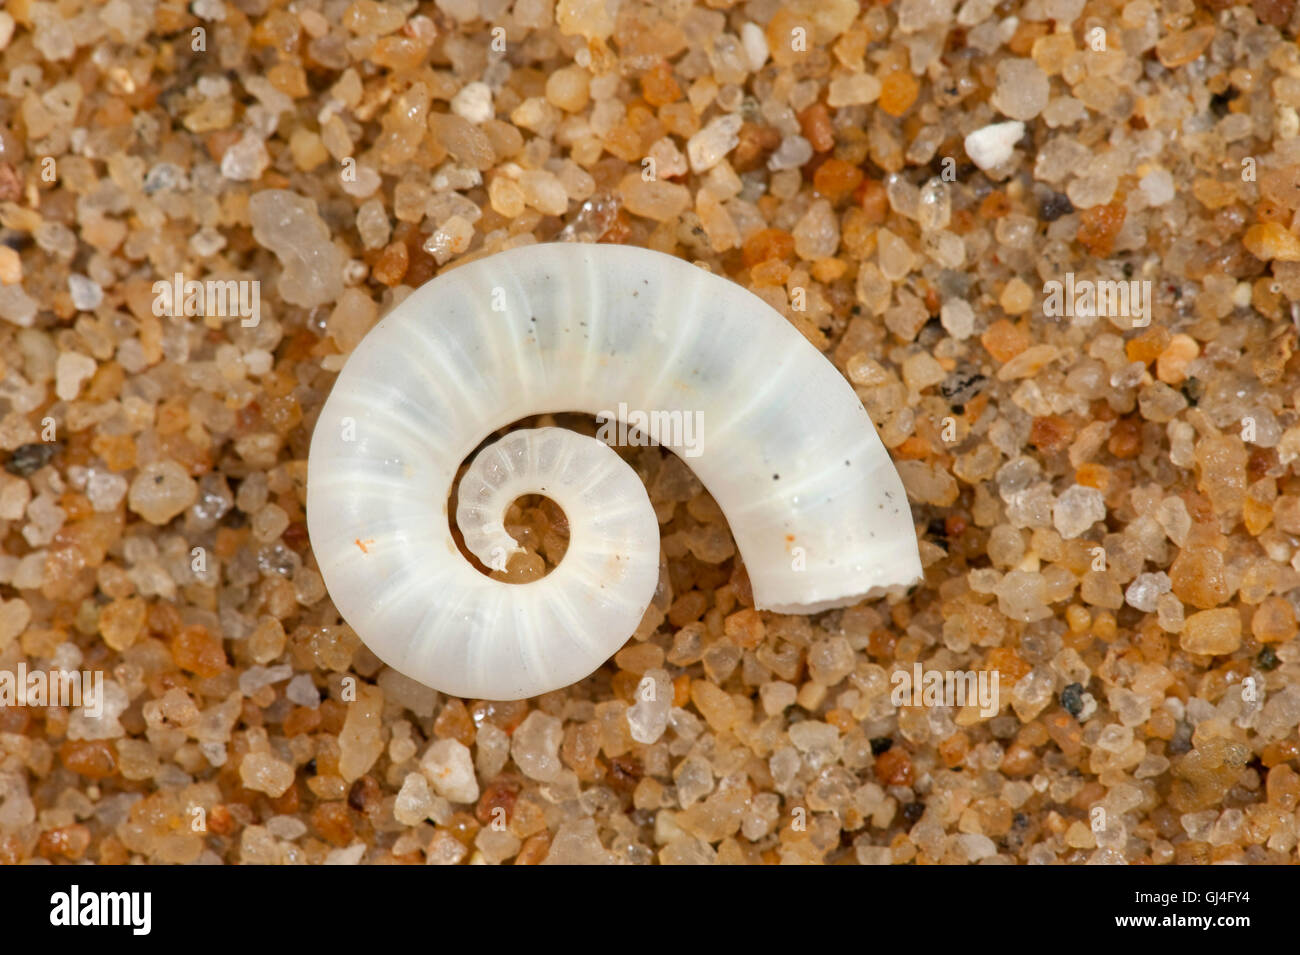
(817,510)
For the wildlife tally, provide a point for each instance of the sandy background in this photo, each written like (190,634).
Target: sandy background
(1108,514)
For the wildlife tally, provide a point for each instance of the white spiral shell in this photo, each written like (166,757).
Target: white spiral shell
(787,451)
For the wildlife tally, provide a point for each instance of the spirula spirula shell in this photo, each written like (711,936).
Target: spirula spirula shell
(788,452)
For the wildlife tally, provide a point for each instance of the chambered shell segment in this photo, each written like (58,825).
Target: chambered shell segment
(786,449)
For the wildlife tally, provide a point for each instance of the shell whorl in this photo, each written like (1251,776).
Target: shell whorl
(817,510)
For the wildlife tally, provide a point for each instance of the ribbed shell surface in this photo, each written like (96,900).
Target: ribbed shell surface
(786,449)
